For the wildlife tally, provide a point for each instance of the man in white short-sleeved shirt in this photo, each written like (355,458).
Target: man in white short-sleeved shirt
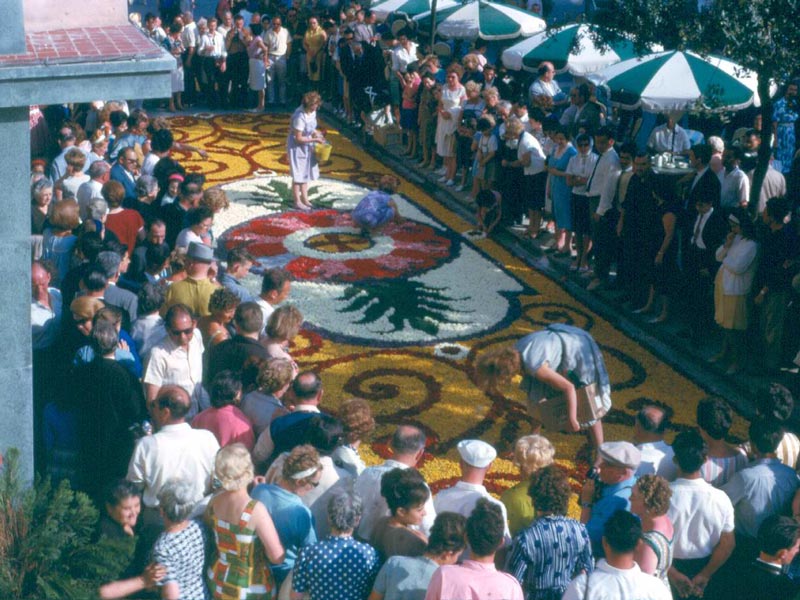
(617,576)
(408,445)
(175,451)
(476,459)
(178,360)
(703,519)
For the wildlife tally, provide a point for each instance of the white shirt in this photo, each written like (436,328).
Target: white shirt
(528,144)
(73,184)
(46,321)
(544,88)
(174,452)
(700,514)
(189,35)
(735,189)
(774,186)
(611,583)
(147,331)
(401,57)
(171,364)
(581,165)
(266,309)
(607,170)
(186,237)
(277,43)
(86,193)
(368,487)
(462,498)
(212,44)
(657,460)
(663,140)
(149,163)
(738,266)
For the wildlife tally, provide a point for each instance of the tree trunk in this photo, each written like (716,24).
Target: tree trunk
(765,149)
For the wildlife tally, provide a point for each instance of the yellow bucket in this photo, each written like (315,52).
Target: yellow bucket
(323,152)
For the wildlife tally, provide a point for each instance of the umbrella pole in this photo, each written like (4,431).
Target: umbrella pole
(433,23)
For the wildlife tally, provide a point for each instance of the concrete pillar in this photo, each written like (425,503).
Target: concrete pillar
(12,28)
(16,401)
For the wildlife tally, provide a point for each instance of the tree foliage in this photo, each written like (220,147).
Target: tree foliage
(760,35)
(46,540)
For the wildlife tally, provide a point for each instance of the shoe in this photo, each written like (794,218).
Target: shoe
(459,188)
(449,183)
(594,284)
(733,370)
(441,171)
(641,311)
(573,267)
(442,179)
(585,271)
(658,319)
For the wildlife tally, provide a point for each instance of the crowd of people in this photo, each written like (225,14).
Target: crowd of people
(165,388)
(530,154)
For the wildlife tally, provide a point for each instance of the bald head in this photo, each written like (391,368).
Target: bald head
(651,422)
(408,444)
(170,405)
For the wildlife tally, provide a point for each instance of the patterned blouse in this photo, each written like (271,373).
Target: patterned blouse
(546,556)
(184,556)
(336,563)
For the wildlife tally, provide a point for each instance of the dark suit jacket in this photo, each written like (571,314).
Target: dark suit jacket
(708,188)
(118,174)
(365,72)
(588,120)
(712,235)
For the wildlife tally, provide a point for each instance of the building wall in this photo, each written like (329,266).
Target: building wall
(44,15)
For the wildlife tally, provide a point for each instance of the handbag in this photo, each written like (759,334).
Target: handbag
(552,410)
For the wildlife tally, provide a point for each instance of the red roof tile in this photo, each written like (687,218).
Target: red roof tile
(88,44)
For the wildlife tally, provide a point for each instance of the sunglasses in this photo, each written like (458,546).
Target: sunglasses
(177,332)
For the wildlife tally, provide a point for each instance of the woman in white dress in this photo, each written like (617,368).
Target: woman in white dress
(303,135)
(453,93)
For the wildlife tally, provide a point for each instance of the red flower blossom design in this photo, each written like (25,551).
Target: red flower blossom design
(330,250)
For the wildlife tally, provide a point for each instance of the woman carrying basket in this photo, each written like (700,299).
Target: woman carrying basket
(563,374)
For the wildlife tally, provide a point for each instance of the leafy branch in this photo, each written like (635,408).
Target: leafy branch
(407,303)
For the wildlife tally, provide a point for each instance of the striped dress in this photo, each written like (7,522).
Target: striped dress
(240,571)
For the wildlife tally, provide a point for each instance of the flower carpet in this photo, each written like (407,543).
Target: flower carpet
(399,319)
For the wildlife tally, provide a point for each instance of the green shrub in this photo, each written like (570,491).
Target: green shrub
(47,547)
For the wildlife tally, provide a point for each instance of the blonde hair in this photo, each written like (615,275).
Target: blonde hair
(490,91)
(86,307)
(472,86)
(284,323)
(533,452)
(513,128)
(497,365)
(215,198)
(233,467)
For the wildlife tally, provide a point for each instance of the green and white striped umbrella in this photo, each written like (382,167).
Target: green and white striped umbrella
(677,81)
(570,48)
(410,8)
(482,19)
